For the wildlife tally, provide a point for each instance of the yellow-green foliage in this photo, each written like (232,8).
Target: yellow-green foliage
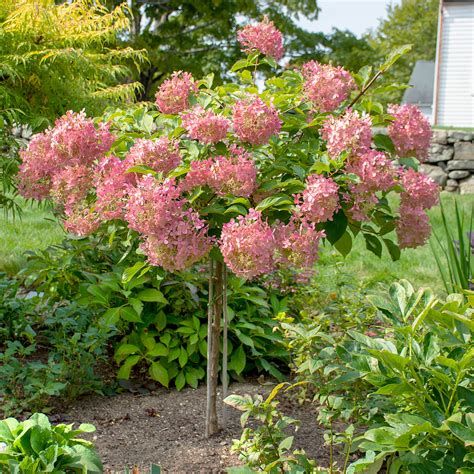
(59,57)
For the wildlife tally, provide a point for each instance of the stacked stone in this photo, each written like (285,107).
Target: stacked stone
(451,160)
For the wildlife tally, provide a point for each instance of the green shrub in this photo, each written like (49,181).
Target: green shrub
(35,446)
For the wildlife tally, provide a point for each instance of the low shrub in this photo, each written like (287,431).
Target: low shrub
(35,446)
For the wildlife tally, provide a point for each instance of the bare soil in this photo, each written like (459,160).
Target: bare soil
(166,427)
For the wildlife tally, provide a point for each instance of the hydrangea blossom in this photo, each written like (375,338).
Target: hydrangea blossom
(185,243)
(375,170)
(254,121)
(81,220)
(263,37)
(174,236)
(76,140)
(410,131)
(57,153)
(362,202)
(161,155)
(420,190)
(205,126)
(36,168)
(247,244)
(297,244)
(235,175)
(320,200)
(71,185)
(112,183)
(351,132)
(326,86)
(173,95)
(413,228)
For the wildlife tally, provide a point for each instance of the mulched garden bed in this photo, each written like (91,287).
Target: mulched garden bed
(166,427)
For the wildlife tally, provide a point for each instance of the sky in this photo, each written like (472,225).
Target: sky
(354,15)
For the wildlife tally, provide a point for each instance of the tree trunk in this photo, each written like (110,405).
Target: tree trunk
(213,343)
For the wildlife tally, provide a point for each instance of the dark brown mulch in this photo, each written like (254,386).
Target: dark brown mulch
(166,427)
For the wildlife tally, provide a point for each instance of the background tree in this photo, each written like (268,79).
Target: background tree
(54,58)
(199,37)
(59,57)
(412,22)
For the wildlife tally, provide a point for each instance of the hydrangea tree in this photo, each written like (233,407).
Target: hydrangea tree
(250,178)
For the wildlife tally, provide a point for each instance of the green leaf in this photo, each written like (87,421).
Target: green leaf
(373,244)
(152,295)
(335,229)
(273,201)
(124,371)
(129,314)
(130,272)
(180,381)
(465,434)
(394,56)
(344,244)
(238,360)
(183,357)
(393,249)
(286,444)
(159,373)
(125,350)
(158,350)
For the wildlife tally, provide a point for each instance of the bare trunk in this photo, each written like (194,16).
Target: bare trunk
(213,339)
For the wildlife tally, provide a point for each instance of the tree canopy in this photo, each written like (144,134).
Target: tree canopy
(59,57)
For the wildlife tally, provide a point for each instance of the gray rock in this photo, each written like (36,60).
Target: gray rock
(461,165)
(439,153)
(442,165)
(436,173)
(440,136)
(466,186)
(459,174)
(464,151)
(452,183)
(452,189)
(462,136)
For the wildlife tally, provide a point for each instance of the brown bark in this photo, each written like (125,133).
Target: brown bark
(213,349)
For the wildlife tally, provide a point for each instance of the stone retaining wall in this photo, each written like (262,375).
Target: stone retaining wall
(451,160)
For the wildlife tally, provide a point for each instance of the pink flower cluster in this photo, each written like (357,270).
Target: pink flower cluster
(235,175)
(419,189)
(58,162)
(173,95)
(320,200)
(420,193)
(263,37)
(247,244)
(413,227)
(376,173)
(375,170)
(205,126)
(326,86)
(410,131)
(161,155)
(112,183)
(254,121)
(350,132)
(297,244)
(174,236)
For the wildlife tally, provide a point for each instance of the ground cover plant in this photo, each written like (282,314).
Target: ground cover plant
(402,390)
(250,179)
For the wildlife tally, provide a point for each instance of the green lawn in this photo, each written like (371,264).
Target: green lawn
(417,265)
(36,230)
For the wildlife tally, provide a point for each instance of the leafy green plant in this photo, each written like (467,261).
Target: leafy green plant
(35,446)
(267,447)
(425,367)
(453,253)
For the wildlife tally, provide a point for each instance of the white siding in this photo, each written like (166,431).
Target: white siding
(456,68)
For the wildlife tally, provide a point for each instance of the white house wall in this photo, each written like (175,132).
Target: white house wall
(456,68)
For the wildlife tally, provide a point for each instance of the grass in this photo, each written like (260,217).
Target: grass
(35,229)
(416,265)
